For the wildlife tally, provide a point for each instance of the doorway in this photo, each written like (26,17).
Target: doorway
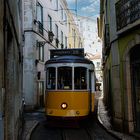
(135,77)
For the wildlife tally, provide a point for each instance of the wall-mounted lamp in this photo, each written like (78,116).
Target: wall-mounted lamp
(50,39)
(50,36)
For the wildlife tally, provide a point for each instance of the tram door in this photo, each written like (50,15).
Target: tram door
(135,74)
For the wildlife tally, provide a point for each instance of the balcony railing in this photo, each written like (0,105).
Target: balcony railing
(127,12)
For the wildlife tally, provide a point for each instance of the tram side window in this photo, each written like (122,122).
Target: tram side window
(80,78)
(64,78)
(51,78)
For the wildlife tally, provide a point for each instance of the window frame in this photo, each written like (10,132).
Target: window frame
(40,51)
(64,86)
(39,20)
(82,85)
(49,23)
(49,85)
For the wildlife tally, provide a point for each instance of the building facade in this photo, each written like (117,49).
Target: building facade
(119,28)
(11,43)
(75,38)
(92,45)
(45,27)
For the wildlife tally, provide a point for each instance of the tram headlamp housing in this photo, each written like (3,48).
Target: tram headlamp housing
(64,105)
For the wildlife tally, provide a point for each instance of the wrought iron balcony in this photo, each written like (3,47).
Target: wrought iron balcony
(127,12)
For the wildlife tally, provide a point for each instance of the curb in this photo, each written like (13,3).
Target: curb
(31,130)
(106,129)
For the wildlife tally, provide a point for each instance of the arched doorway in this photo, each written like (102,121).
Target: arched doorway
(135,78)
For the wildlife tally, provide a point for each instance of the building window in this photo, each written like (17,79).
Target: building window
(127,12)
(98,65)
(107,36)
(38,75)
(62,40)
(40,18)
(65,42)
(74,37)
(56,4)
(69,27)
(41,93)
(56,31)
(40,51)
(49,23)
(61,10)
(65,19)
(56,34)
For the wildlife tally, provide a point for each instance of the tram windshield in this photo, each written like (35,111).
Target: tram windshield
(64,78)
(80,78)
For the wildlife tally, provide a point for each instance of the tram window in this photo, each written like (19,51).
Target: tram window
(51,78)
(80,78)
(64,78)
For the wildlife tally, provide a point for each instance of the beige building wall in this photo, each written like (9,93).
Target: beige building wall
(75,39)
(119,39)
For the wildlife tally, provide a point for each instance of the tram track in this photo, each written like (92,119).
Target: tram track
(63,135)
(89,134)
(87,130)
(81,134)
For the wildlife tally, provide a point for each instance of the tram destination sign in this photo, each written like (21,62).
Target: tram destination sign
(62,52)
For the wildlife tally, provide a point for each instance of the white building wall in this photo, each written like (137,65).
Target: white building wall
(49,8)
(88,27)
(32,64)
(92,44)
(29,70)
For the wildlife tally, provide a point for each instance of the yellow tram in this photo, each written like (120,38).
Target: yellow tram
(70,84)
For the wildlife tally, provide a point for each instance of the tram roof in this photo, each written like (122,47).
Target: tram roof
(69,59)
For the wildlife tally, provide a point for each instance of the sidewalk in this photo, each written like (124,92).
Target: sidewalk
(105,121)
(31,121)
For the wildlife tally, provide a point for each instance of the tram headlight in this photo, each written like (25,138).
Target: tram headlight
(64,105)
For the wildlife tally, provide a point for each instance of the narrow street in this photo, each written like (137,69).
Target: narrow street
(68,59)
(96,127)
(89,129)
